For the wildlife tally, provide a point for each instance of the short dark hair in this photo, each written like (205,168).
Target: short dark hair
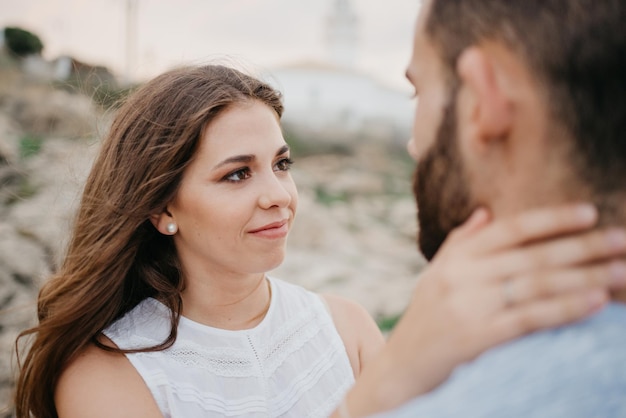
(577,51)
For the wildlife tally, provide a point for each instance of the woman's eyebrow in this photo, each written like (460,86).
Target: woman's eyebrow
(236,159)
(248,158)
(282,150)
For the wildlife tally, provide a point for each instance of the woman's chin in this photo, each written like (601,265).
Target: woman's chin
(270,262)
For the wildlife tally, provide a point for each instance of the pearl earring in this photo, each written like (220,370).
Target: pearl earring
(171,228)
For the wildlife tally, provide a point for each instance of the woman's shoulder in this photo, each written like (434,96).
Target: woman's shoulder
(147,324)
(357,329)
(349,315)
(100,383)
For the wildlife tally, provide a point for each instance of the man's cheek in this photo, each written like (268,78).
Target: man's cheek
(423,137)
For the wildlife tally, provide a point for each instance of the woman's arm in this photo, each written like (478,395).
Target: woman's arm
(489,283)
(101,384)
(360,334)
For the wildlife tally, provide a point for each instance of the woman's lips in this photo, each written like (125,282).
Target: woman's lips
(273,230)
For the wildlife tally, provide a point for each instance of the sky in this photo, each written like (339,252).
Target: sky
(263,34)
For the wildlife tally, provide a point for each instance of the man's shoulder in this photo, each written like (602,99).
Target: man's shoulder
(571,371)
(540,352)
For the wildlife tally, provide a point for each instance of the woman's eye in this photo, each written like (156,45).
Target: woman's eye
(238,175)
(284,164)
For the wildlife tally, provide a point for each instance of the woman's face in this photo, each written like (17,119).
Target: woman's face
(237,200)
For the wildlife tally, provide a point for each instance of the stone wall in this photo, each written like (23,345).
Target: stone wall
(45,152)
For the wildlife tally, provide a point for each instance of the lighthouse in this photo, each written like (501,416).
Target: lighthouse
(341,33)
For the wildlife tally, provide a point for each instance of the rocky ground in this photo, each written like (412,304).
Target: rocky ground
(354,234)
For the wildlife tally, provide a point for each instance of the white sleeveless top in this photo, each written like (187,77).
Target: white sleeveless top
(292,364)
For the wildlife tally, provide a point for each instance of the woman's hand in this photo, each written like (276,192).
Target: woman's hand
(491,282)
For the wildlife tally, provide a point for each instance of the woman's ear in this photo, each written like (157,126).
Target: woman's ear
(164,223)
(490,110)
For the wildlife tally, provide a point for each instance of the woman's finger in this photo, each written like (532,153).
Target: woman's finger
(534,225)
(534,286)
(558,253)
(479,219)
(522,319)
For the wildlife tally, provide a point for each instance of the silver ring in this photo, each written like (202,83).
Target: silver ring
(508,294)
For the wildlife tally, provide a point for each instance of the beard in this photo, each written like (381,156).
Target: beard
(440,186)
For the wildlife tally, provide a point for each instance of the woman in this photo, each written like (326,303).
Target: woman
(162,306)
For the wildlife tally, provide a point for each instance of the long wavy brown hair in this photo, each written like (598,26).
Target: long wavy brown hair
(116,257)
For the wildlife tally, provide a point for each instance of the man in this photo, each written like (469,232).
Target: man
(522,104)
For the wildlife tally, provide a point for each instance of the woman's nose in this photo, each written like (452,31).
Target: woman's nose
(275,192)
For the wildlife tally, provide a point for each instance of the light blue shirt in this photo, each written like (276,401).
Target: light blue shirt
(578,371)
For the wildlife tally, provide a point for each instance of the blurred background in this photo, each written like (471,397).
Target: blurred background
(142,38)
(64,64)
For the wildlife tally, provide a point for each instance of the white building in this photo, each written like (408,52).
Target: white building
(332,101)
(326,101)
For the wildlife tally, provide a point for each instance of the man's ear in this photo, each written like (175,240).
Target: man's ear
(491,109)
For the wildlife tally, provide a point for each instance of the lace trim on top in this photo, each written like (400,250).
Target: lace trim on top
(292,364)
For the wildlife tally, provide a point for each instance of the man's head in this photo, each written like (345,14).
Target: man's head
(522,103)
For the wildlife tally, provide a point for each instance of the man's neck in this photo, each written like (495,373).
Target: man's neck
(612,214)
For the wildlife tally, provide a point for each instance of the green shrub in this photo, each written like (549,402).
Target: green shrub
(328,198)
(105,94)
(387,323)
(23,190)
(29,145)
(26,189)
(22,42)
(110,97)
